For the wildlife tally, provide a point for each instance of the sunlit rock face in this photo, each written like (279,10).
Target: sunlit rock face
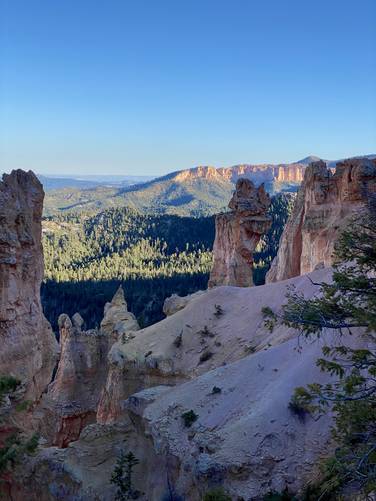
(324,205)
(28,348)
(237,233)
(263,173)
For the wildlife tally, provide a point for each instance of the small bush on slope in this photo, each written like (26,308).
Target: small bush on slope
(16,444)
(348,302)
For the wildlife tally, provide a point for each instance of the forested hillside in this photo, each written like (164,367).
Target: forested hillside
(194,192)
(87,256)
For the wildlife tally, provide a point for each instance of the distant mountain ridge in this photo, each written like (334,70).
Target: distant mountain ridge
(201,190)
(55,182)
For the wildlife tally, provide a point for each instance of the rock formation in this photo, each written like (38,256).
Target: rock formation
(176,303)
(214,358)
(263,173)
(121,324)
(117,319)
(73,397)
(28,348)
(237,234)
(324,205)
(245,437)
(191,342)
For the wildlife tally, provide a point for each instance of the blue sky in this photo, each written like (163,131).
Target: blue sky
(151,86)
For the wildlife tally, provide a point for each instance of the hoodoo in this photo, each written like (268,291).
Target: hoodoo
(237,233)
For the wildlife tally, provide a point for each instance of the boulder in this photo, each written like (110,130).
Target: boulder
(176,303)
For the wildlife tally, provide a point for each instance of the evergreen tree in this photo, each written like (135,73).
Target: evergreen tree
(347,303)
(122,476)
(16,444)
(88,255)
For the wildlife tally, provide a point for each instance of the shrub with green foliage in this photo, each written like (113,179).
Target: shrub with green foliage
(189,417)
(122,476)
(16,444)
(8,385)
(285,495)
(216,494)
(347,303)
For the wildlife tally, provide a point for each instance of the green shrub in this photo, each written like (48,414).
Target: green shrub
(122,476)
(205,356)
(189,418)
(216,494)
(216,390)
(218,310)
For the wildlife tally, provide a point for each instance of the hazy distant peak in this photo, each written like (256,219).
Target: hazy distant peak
(309,159)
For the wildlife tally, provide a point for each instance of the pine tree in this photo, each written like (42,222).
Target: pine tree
(122,476)
(347,303)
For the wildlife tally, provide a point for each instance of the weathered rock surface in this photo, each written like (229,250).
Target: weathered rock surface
(73,397)
(245,437)
(237,234)
(117,319)
(216,328)
(74,394)
(28,348)
(176,303)
(324,205)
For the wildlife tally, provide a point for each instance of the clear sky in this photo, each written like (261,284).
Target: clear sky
(151,86)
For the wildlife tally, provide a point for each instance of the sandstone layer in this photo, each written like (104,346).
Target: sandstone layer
(262,173)
(28,348)
(324,205)
(237,233)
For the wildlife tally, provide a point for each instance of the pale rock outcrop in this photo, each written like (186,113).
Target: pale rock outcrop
(73,397)
(28,348)
(324,205)
(176,303)
(237,233)
(218,327)
(117,319)
(123,325)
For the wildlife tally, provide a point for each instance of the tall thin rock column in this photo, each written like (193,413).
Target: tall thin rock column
(237,233)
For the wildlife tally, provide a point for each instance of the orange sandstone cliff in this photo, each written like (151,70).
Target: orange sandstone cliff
(324,205)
